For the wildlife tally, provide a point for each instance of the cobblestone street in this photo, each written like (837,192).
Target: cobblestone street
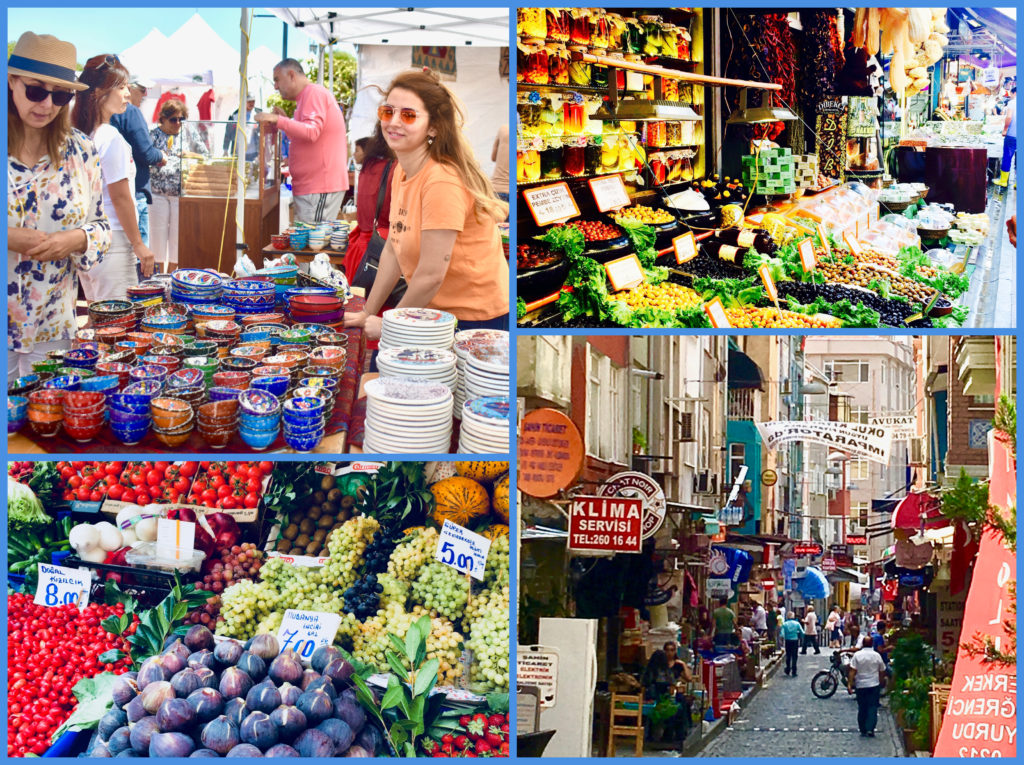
(786,720)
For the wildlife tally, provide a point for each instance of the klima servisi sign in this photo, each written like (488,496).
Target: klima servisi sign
(606,524)
(869,441)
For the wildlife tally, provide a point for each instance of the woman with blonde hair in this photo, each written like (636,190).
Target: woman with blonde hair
(443,236)
(55,222)
(108,95)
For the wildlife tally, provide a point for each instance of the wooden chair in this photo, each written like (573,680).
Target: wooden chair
(626,723)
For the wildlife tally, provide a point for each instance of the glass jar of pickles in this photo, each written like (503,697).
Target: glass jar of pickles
(599,29)
(616,30)
(669,89)
(579,71)
(652,35)
(659,167)
(558,64)
(579,26)
(634,80)
(527,165)
(599,72)
(673,167)
(669,39)
(592,158)
(656,134)
(572,118)
(673,133)
(558,24)
(573,160)
(531,22)
(529,119)
(551,162)
(532,60)
(683,45)
(633,36)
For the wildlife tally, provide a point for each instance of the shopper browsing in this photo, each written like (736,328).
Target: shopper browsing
(55,222)
(867,674)
(444,215)
(375,176)
(108,95)
(810,631)
(318,155)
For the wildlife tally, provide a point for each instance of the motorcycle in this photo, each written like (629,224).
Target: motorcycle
(825,683)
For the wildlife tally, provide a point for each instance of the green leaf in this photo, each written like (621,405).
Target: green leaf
(397,643)
(394,695)
(109,657)
(396,665)
(94,696)
(498,702)
(426,677)
(112,624)
(416,714)
(413,639)
(423,625)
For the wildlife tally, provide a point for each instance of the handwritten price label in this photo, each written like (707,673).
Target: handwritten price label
(685,247)
(463,550)
(716,314)
(624,273)
(769,283)
(824,239)
(807,259)
(551,204)
(305,631)
(851,242)
(59,586)
(609,193)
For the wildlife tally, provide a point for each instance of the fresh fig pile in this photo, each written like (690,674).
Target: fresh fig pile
(203,699)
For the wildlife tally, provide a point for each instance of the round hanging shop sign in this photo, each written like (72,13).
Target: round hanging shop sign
(550,453)
(769,477)
(642,487)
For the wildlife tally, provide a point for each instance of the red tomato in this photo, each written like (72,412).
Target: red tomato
(95,496)
(223,491)
(142,497)
(188,469)
(114,468)
(128,495)
(83,493)
(154,477)
(116,491)
(181,485)
(161,466)
(228,502)
(252,499)
(209,496)
(75,481)
(217,481)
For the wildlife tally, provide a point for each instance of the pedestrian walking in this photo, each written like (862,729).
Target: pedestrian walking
(833,628)
(771,623)
(791,631)
(850,620)
(867,674)
(811,631)
(759,620)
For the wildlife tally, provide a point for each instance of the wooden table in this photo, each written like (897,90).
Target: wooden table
(303,256)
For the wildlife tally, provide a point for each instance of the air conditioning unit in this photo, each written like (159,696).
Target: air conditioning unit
(685,429)
(917,451)
(705,482)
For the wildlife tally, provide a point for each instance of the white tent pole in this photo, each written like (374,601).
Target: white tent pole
(320,66)
(240,142)
(330,54)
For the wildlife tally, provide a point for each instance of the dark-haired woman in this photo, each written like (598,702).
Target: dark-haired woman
(374,155)
(443,235)
(55,222)
(108,95)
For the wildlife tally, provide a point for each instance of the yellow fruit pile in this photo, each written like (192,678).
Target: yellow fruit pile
(643,214)
(667,295)
(768,318)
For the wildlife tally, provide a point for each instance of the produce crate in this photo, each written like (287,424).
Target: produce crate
(145,585)
(71,744)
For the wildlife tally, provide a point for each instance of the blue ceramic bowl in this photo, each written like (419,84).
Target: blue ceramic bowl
(123,417)
(306,428)
(81,358)
(15,425)
(276,385)
(185,378)
(64,382)
(259,421)
(101,383)
(17,407)
(258,440)
(303,408)
(149,372)
(259,402)
(330,384)
(223,393)
(147,388)
(130,435)
(253,336)
(303,443)
(130,402)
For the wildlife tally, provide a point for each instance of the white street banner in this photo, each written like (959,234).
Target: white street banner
(857,439)
(903,426)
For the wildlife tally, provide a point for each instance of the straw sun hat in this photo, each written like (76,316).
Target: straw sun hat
(45,58)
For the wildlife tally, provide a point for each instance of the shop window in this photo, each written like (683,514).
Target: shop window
(859,414)
(859,511)
(737,459)
(607,427)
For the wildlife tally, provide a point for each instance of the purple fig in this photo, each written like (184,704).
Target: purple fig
(244,750)
(265,646)
(156,694)
(350,712)
(357,751)
(204,753)
(170,744)
(206,676)
(316,705)
(281,750)
(314,743)
(263,697)
(258,729)
(113,719)
(175,715)
(125,689)
(141,733)
(134,710)
(323,684)
(290,722)
(185,682)
(227,653)
(152,671)
(370,739)
(252,665)
(203,658)
(119,740)
(199,638)
(235,710)
(339,671)
(234,683)
(180,652)
(207,703)
(323,656)
(286,668)
(289,694)
(309,676)
(340,734)
(99,749)
(220,735)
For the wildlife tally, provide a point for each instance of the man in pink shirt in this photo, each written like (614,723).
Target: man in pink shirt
(318,157)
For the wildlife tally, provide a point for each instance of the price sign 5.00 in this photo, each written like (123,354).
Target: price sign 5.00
(463,550)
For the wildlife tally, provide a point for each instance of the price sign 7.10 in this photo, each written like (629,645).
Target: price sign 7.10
(305,631)
(463,550)
(60,586)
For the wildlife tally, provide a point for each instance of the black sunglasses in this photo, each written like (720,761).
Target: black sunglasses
(175,120)
(38,94)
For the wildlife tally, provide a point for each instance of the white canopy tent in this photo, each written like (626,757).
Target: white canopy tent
(401,26)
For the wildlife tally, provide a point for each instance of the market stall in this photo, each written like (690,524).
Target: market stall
(258,609)
(667,176)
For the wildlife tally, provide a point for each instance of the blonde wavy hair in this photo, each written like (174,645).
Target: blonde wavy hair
(447,118)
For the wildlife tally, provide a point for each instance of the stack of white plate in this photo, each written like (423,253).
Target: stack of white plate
(339,236)
(407,415)
(436,364)
(486,372)
(417,328)
(465,341)
(484,426)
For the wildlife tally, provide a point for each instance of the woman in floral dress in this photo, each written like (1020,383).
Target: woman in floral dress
(56,226)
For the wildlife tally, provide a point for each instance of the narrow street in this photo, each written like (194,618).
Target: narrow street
(786,720)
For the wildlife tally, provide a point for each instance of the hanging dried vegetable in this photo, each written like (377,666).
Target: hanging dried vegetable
(763,51)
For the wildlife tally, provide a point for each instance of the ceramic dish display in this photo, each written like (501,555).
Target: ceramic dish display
(485,426)
(407,415)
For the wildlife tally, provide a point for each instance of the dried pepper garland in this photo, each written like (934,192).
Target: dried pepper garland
(821,57)
(763,44)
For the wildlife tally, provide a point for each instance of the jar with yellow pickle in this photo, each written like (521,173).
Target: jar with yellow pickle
(609,154)
(616,30)
(531,22)
(674,167)
(527,166)
(550,119)
(599,72)
(551,161)
(634,80)
(669,40)
(579,71)
(579,26)
(529,119)
(599,29)
(558,24)
(655,134)
(631,154)
(558,64)
(652,35)
(532,61)
(669,89)
(673,133)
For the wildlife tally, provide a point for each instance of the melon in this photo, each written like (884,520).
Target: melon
(501,498)
(460,500)
(494,531)
(485,472)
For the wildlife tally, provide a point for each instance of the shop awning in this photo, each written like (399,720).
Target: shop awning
(915,508)
(845,575)
(813,585)
(743,372)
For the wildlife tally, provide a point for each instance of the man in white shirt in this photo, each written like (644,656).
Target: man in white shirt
(759,620)
(867,673)
(810,631)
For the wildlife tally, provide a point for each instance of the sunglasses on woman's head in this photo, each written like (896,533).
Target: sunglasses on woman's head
(386,112)
(38,94)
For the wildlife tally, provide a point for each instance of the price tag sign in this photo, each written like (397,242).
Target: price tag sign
(624,273)
(59,586)
(716,314)
(851,242)
(769,283)
(462,550)
(685,247)
(807,259)
(609,192)
(551,204)
(824,239)
(305,631)
(175,540)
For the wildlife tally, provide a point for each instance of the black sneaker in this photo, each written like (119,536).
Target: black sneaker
(871,734)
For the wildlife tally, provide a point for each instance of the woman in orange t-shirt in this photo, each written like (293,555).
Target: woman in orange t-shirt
(443,236)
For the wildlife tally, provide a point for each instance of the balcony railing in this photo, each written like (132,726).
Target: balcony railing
(742,403)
